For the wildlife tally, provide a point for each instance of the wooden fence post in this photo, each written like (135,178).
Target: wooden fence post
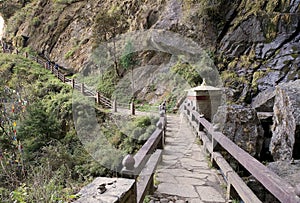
(114,106)
(26,55)
(82,88)
(73,83)
(132,108)
(64,78)
(228,191)
(97,97)
(160,125)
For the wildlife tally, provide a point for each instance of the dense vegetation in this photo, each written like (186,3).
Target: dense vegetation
(42,159)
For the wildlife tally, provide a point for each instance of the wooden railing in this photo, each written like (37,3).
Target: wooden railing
(84,89)
(283,191)
(142,165)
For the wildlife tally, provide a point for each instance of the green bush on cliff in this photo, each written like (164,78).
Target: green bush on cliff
(187,72)
(107,83)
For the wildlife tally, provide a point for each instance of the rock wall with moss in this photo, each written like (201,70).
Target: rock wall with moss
(260,42)
(255,44)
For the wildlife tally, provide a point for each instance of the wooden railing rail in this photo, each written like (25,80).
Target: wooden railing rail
(104,101)
(143,164)
(81,87)
(283,191)
(123,105)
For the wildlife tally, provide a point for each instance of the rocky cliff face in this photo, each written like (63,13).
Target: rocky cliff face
(254,44)
(68,31)
(260,46)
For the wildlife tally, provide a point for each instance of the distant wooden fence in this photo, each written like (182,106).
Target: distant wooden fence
(283,191)
(84,89)
(142,165)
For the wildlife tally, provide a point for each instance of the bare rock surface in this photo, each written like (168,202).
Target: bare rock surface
(285,142)
(264,101)
(242,126)
(287,170)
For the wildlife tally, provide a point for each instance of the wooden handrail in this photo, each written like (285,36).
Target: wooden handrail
(145,184)
(133,166)
(142,156)
(271,181)
(106,102)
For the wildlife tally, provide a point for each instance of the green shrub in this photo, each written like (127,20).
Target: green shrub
(107,83)
(35,21)
(188,73)
(142,121)
(71,52)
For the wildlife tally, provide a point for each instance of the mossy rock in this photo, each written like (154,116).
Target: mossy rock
(256,76)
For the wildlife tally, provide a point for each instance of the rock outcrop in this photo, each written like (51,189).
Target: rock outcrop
(255,44)
(285,142)
(259,47)
(241,125)
(108,190)
(264,101)
(288,171)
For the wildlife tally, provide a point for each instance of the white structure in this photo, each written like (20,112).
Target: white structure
(2,26)
(205,99)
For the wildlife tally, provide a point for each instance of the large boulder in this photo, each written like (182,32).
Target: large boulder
(264,101)
(241,125)
(288,171)
(285,142)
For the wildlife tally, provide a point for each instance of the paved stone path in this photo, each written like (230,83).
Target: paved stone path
(184,174)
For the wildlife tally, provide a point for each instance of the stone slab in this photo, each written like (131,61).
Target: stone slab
(115,189)
(167,179)
(191,181)
(194,163)
(209,194)
(195,201)
(177,190)
(184,173)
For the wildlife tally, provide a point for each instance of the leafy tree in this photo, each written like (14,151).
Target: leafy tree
(108,25)
(38,129)
(127,61)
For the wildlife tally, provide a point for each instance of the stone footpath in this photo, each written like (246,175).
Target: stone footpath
(184,175)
